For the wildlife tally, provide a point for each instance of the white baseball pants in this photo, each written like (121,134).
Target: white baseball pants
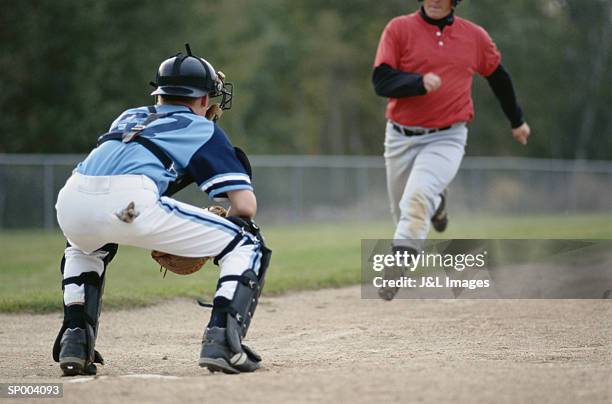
(419,168)
(86,212)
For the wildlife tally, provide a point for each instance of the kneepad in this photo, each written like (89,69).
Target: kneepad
(247,225)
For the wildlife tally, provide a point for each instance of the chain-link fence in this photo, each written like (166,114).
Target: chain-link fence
(307,188)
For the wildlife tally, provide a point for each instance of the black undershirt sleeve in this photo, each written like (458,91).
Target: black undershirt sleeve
(393,83)
(389,82)
(501,84)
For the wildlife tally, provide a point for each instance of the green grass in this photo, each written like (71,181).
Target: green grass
(309,256)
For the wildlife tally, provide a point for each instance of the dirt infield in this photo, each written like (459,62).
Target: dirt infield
(332,346)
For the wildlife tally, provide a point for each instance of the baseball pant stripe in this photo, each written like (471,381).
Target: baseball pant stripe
(193,216)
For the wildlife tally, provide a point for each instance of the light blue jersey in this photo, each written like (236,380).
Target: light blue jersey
(196,146)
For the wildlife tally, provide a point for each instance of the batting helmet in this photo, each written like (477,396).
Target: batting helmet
(187,75)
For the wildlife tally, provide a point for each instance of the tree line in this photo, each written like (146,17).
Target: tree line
(301,68)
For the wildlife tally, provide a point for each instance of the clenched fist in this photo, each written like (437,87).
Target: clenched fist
(521,133)
(431,82)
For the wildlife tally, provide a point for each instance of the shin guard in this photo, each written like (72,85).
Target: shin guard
(85,315)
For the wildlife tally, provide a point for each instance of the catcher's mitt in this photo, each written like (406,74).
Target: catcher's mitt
(214,112)
(184,265)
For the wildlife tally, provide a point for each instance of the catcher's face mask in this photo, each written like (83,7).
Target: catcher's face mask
(223,90)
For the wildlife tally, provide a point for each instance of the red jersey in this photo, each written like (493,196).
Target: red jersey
(411,44)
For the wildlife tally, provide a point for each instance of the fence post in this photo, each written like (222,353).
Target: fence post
(476,190)
(297,194)
(48,197)
(363,191)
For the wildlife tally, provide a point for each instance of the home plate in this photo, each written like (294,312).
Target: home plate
(150,376)
(82,379)
(130,376)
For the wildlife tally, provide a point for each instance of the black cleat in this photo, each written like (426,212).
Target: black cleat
(216,355)
(440,217)
(73,353)
(394,273)
(388,292)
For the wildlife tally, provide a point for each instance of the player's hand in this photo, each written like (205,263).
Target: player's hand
(431,82)
(521,133)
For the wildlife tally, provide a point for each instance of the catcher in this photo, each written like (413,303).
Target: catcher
(120,194)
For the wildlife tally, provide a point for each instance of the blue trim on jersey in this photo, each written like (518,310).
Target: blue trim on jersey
(176,122)
(227,225)
(223,190)
(243,176)
(215,158)
(246,176)
(222,184)
(130,114)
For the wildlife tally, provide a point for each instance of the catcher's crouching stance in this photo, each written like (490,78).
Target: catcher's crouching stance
(120,194)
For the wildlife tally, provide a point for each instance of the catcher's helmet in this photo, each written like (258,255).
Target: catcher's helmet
(187,75)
